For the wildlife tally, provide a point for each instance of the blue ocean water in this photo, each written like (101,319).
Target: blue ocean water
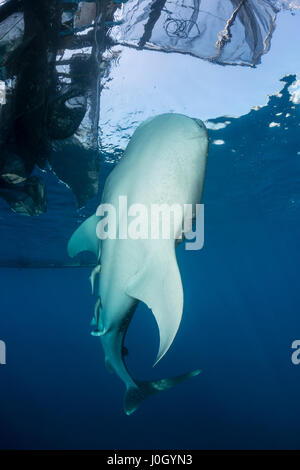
(241,313)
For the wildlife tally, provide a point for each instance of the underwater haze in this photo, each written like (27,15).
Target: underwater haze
(241,300)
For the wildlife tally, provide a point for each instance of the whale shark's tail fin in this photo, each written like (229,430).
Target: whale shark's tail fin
(136,395)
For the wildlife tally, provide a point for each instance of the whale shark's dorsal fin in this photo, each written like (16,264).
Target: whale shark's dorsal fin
(158,285)
(85,238)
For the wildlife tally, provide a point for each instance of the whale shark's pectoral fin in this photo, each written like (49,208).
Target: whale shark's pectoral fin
(85,238)
(158,285)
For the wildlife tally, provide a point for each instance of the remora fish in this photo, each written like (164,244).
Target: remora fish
(164,162)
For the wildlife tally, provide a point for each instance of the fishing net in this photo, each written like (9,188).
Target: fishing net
(235,32)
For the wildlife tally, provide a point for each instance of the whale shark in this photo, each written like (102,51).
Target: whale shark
(164,163)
